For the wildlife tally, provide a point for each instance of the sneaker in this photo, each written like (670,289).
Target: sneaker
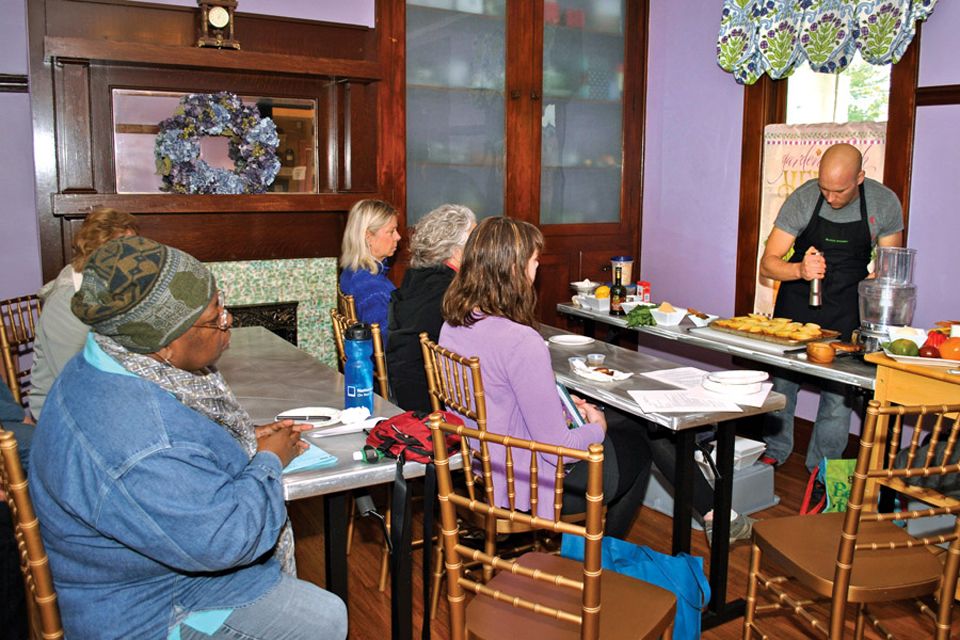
(740,529)
(770,460)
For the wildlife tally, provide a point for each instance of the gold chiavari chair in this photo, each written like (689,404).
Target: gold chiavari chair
(875,560)
(18,322)
(346,304)
(540,595)
(43,611)
(455,383)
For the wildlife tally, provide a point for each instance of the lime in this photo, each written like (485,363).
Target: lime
(904,347)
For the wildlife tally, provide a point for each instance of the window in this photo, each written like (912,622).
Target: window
(860,93)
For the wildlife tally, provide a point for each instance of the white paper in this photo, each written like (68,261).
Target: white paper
(681,401)
(683,377)
(749,400)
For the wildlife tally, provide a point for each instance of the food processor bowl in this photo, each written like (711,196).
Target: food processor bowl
(895,264)
(885,304)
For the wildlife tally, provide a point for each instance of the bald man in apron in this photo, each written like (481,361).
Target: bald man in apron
(833,223)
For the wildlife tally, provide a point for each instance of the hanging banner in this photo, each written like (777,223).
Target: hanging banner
(791,156)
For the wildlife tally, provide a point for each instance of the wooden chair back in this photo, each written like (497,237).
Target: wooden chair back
(346,304)
(455,553)
(18,329)
(42,605)
(340,325)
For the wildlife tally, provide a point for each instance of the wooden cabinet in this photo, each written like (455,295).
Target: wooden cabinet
(532,109)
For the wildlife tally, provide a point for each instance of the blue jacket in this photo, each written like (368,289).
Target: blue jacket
(148,510)
(371,294)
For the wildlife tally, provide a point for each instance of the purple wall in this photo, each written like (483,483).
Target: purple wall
(19,236)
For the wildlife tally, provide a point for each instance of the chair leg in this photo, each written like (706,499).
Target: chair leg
(351,516)
(438,571)
(668,634)
(748,616)
(385,552)
(861,621)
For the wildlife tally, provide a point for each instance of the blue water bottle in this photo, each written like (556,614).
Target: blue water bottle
(358,371)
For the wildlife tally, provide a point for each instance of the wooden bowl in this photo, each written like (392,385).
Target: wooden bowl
(820,352)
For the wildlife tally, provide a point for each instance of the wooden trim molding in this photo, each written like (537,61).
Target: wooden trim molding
(164,55)
(69,204)
(938,95)
(13,83)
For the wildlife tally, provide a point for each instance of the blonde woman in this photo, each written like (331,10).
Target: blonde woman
(60,335)
(370,238)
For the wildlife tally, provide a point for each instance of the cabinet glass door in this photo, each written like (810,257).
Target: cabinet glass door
(456,69)
(582,115)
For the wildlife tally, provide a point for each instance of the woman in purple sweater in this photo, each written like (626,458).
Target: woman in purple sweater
(490,313)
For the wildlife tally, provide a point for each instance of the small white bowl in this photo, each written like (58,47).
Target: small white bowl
(585,287)
(917,336)
(702,322)
(668,319)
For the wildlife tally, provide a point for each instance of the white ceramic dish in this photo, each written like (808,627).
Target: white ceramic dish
(317,416)
(585,287)
(739,382)
(917,336)
(570,340)
(592,302)
(927,362)
(701,322)
(668,319)
(630,306)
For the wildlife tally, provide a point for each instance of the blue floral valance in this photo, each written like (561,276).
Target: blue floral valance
(777,36)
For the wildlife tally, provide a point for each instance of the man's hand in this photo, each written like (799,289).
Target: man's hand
(813,266)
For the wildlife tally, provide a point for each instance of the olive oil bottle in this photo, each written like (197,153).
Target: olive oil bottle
(618,294)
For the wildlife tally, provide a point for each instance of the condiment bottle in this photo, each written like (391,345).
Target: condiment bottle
(618,294)
(358,370)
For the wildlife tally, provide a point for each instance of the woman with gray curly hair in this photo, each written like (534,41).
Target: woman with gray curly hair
(435,249)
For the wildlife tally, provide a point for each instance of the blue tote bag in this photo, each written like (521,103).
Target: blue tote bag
(681,574)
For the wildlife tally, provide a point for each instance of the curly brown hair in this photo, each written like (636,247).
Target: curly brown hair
(100,226)
(492,278)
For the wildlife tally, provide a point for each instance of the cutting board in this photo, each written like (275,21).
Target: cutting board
(742,341)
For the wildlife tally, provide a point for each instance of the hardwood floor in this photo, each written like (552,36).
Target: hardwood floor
(369,609)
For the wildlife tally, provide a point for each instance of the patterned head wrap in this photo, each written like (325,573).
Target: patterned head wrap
(141,293)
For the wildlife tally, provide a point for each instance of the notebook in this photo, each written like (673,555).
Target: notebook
(570,412)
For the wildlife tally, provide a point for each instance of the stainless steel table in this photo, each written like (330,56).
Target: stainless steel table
(686,425)
(268,376)
(847,370)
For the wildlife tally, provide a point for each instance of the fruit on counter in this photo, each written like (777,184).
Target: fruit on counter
(602,292)
(666,307)
(904,347)
(640,317)
(935,339)
(928,351)
(950,349)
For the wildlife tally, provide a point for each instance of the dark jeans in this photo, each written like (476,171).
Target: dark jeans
(13,603)
(626,470)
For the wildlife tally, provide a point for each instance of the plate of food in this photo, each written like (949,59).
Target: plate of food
(783,331)
(317,416)
(927,362)
(570,340)
(601,374)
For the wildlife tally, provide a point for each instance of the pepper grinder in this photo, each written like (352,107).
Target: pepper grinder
(816,299)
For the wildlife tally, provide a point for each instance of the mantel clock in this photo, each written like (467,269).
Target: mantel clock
(216,24)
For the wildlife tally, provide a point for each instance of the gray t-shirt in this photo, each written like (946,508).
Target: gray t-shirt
(884,213)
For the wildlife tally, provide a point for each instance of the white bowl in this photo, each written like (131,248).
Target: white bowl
(915,335)
(701,322)
(630,306)
(585,287)
(668,319)
(591,302)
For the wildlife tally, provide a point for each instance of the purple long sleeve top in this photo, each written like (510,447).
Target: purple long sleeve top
(522,401)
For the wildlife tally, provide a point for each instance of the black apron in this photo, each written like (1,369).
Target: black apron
(846,247)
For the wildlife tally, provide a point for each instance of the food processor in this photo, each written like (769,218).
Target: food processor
(887,301)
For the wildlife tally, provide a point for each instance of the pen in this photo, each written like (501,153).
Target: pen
(303,418)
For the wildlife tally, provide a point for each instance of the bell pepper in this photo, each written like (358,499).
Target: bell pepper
(934,339)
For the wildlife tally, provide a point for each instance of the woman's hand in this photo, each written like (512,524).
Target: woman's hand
(281,439)
(273,427)
(590,412)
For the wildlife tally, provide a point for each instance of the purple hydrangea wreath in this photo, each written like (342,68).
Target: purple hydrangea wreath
(253,146)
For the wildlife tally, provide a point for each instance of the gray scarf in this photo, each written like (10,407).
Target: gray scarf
(209,396)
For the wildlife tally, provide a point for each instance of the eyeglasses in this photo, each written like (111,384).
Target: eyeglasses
(223,319)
